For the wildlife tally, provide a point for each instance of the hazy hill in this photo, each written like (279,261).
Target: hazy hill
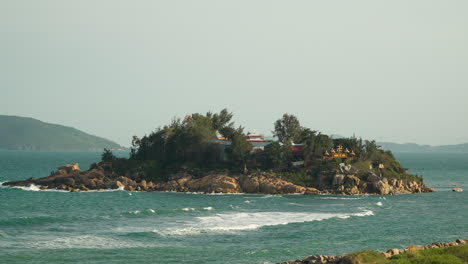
(23,133)
(411,147)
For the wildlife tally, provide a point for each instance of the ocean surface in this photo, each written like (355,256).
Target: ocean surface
(136,227)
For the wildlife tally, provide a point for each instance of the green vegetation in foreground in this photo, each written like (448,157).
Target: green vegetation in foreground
(23,133)
(452,255)
(191,145)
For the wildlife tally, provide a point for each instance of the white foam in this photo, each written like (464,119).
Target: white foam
(340,198)
(269,196)
(32,187)
(188,209)
(379,203)
(84,241)
(36,188)
(365,213)
(234,222)
(209,208)
(213,193)
(151,210)
(135,212)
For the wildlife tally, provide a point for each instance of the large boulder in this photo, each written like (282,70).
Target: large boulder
(338,179)
(269,184)
(381,187)
(352,180)
(126,181)
(214,183)
(249,184)
(354,190)
(311,191)
(69,167)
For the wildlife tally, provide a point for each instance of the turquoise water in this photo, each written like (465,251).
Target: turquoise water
(124,227)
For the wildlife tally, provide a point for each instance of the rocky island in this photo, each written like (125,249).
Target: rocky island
(207,153)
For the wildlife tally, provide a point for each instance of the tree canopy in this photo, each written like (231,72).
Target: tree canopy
(288,128)
(192,143)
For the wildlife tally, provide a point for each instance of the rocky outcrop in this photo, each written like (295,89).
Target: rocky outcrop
(269,184)
(394,251)
(323,259)
(214,184)
(352,182)
(315,259)
(103,176)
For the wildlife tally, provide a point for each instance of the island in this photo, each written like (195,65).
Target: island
(208,153)
(25,133)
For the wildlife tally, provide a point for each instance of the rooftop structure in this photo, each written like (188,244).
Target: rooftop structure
(257,140)
(345,154)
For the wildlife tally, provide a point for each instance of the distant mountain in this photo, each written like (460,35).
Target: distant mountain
(411,147)
(24,133)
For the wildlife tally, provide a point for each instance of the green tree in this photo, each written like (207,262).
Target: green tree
(107,155)
(288,128)
(277,156)
(222,119)
(239,149)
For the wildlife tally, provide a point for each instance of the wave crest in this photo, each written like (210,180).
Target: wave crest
(233,222)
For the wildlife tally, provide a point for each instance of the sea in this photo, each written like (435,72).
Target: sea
(117,226)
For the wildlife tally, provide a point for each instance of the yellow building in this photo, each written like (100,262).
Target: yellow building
(339,153)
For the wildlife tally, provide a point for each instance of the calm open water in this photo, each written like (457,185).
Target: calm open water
(125,227)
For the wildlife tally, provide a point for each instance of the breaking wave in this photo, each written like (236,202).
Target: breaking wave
(340,198)
(31,187)
(148,211)
(37,188)
(233,222)
(84,241)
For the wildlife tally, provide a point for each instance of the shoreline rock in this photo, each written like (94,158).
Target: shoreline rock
(324,259)
(102,176)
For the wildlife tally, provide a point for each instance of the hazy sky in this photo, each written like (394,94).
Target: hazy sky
(386,70)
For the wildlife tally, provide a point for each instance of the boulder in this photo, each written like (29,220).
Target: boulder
(119,184)
(338,179)
(69,167)
(381,187)
(126,181)
(183,180)
(387,255)
(372,177)
(319,259)
(129,188)
(354,190)
(311,191)
(267,187)
(348,168)
(143,184)
(249,184)
(214,183)
(393,251)
(352,180)
(413,248)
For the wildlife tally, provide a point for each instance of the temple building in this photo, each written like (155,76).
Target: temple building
(339,153)
(257,140)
